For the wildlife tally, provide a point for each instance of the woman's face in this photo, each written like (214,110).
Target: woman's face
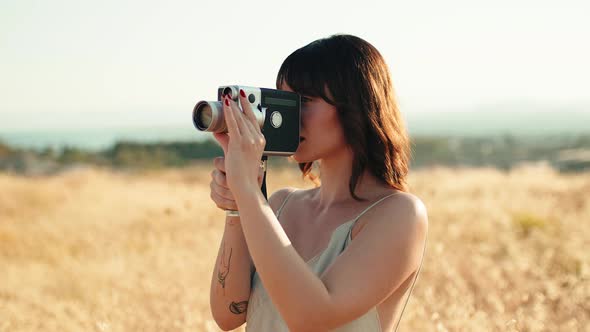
(321,133)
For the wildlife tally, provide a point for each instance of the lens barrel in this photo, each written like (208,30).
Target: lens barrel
(208,116)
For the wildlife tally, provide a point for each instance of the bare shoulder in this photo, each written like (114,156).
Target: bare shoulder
(400,223)
(407,207)
(278,197)
(401,213)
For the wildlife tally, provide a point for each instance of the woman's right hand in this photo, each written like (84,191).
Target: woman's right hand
(220,193)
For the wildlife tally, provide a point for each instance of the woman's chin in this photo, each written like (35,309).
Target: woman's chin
(299,158)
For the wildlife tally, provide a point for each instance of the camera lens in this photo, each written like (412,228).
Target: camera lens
(208,116)
(204,116)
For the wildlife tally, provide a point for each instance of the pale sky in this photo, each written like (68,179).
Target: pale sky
(85,60)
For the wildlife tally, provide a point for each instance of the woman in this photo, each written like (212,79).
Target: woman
(344,255)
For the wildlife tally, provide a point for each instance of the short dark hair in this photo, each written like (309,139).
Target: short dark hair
(350,74)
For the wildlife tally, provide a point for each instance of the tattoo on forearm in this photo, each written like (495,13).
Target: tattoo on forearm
(223,270)
(238,308)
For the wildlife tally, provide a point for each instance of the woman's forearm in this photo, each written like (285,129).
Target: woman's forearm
(295,290)
(230,282)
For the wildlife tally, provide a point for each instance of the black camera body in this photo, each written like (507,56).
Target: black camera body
(278,113)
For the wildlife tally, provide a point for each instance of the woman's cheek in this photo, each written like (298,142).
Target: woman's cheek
(308,118)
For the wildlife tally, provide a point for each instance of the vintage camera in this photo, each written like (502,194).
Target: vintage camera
(278,114)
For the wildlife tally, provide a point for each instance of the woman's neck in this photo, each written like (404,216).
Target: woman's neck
(335,178)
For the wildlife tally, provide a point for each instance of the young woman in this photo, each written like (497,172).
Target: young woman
(344,255)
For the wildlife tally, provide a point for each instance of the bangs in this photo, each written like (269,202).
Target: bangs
(307,72)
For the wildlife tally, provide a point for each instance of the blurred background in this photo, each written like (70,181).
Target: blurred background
(105,218)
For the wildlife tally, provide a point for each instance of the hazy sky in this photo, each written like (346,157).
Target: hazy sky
(89,60)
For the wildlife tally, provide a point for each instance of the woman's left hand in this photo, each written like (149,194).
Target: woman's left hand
(242,145)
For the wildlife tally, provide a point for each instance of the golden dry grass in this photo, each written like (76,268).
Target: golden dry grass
(96,250)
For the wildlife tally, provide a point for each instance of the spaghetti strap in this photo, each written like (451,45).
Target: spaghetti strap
(370,206)
(284,202)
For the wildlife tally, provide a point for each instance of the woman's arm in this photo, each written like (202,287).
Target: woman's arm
(382,256)
(230,282)
(232,274)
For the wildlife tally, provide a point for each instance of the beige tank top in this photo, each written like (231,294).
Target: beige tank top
(262,315)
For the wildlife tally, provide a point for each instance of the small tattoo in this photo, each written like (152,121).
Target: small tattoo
(224,268)
(238,308)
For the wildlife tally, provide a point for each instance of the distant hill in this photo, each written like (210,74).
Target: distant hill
(102,130)
(99,138)
(500,121)
(565,153)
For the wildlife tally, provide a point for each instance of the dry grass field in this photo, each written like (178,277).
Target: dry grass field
(98,250)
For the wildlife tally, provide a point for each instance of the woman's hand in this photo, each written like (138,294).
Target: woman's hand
(220,192)
(243,146)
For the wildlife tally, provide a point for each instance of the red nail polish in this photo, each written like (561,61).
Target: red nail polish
(242,93)
(227,102)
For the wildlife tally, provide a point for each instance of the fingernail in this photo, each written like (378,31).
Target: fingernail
(227,102)
(242,93)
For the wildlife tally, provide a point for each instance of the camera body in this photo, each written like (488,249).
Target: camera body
(278,114)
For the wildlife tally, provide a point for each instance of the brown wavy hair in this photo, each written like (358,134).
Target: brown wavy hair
(350,74)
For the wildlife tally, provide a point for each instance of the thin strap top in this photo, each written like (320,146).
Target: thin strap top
(262,315)
(280,209)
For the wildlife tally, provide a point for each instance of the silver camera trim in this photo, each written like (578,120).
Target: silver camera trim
(217,115)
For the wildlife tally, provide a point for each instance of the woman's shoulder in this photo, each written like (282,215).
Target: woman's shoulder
(393,205)
(278,197)
(399,217)
(404,206)
(292,194)
(407,197)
